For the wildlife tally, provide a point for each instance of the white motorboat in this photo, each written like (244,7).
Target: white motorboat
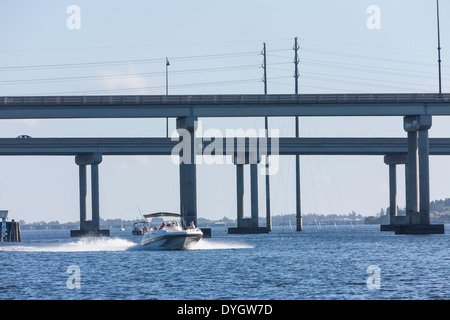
(170,235)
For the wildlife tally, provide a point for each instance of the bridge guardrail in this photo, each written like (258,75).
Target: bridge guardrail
(112,100)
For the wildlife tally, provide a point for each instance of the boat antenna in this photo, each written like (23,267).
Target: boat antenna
(140,212)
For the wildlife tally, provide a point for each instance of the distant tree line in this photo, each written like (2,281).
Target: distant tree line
(439,209)
(439,213)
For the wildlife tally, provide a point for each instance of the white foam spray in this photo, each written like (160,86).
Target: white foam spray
(116,244)
(210,244)
(81,245)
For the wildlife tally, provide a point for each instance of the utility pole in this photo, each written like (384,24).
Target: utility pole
(298,202)
(296,61)
(167,93)
(439,47)
(266,125)
(264,66)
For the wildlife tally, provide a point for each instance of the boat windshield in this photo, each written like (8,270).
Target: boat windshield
(169,224)
(167,221)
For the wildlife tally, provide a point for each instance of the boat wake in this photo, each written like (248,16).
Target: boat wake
(113,244)
(210,244)
(82,245)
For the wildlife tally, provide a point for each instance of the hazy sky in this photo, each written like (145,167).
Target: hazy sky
(214,47)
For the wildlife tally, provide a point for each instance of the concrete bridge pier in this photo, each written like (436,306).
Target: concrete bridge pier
(247,225)
(186,127)
(188,147)
(254,194)
(240,194)
(392,161)
(418,179)
(89,228)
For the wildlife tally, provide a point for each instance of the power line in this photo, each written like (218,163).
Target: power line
(376,80)
(159,73)
(78,65)
(365,57)
(367,79)
(356,56)
(357,83)
(333,90)
(305,63)
(213,56)
(119,62)
(363,68)
(203,84)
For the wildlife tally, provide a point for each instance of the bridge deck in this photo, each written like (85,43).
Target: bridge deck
(224,99)
(134,106)
(164,146)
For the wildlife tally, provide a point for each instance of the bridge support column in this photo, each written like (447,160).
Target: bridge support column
(424,175)
(298,202)
(254,194)
(418,179)
(412,202)
(89,228)
(240,193)
(83,193)
(394,219)
(186,127)
(247,225)
(392,191)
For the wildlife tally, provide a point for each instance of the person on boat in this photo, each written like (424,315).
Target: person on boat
(192,225)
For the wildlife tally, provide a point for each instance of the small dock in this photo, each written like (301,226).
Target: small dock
(10,231)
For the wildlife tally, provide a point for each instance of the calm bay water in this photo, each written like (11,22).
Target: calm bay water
(327,264)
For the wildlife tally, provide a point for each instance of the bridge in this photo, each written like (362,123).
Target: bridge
(165,146)
(416,109)
(268,105)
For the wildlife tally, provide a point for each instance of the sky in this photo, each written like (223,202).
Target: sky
(214,47)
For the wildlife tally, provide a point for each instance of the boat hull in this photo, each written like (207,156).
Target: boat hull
(172,240)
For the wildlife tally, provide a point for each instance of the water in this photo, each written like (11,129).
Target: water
(327,264)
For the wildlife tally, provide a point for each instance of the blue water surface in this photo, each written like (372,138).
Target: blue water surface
(282,265)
